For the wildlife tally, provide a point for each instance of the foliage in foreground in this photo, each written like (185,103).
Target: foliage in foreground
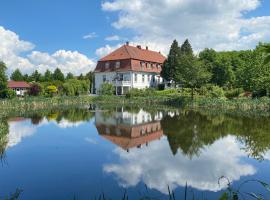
(231,193)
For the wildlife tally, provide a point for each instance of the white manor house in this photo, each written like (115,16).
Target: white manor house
(129,67)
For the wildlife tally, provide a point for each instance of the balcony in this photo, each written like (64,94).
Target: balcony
(121,83)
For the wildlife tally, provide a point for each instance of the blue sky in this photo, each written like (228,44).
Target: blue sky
(54,30)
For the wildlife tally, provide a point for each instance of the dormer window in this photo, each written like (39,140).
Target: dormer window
(107,65)
(117,64)
(142,64)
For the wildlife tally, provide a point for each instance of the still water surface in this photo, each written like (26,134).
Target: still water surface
(82,153)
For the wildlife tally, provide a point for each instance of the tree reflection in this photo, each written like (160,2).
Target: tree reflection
(191,131)
(3,137)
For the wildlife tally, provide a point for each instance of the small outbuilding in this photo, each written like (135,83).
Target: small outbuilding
(20,87)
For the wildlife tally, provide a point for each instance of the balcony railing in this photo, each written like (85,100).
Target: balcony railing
(121,82)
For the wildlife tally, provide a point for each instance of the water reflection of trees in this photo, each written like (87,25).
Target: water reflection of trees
(71,115)
(191,131)
(3,137)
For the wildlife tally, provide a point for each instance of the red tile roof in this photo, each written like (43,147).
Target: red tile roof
(18,84)
(131,52)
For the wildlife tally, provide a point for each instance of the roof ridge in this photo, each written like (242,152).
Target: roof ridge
(126,48)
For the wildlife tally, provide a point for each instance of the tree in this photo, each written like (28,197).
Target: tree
(26,77)
(208,57)
(223,74)
(3,80)
(48,76)
(69,76)
(191,71)
(58,75)
(17,76)
(186,48)
(266,49)
(171,64)
(36,76)
(81,77)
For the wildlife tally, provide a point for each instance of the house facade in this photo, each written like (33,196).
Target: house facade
(20,87)
(129,67)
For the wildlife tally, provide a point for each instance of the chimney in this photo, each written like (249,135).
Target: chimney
(139,47)
(127,43)
(146,48)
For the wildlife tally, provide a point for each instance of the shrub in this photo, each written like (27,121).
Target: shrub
(11,94)
(35,89)
(233,93)
(7,93)
(134,92)
(161,86)
(212,91)
(107,89)
(51,90)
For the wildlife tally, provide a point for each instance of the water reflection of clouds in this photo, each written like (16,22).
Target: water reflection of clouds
(157,167)
(24,128)
(18,131)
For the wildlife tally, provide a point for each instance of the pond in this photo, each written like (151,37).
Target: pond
(82,153)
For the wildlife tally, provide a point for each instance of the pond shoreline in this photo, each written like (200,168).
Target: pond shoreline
(244,105)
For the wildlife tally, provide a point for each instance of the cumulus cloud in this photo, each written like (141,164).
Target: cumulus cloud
(201,172)
(103,51)
(90,36)
(67,61)
(12,49)
(219,24)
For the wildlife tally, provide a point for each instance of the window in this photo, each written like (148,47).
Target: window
(143,78)
(107,65)
(135,77)
(149,78)
(146,65)
(104,78)
(152,65)
(142,64)
(117,64)
(153,78)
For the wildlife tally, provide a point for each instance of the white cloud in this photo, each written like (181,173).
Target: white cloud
(217,24)
(201,172)
(12,48)
(113,38)
(103,51)
(67,61)
(90,36)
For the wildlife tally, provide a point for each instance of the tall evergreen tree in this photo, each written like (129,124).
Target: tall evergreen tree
(81,77)
(3,79)
(17,75)
(36,76)
(69,76)
(26,77)
(171,64)
(58,75)
(48,76)
(186,48)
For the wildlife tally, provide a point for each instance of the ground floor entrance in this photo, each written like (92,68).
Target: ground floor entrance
(122,90)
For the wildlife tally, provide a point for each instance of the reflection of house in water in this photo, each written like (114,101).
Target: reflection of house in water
(129,130)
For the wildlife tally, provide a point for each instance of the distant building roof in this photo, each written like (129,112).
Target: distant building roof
(18,84)
(131,52)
